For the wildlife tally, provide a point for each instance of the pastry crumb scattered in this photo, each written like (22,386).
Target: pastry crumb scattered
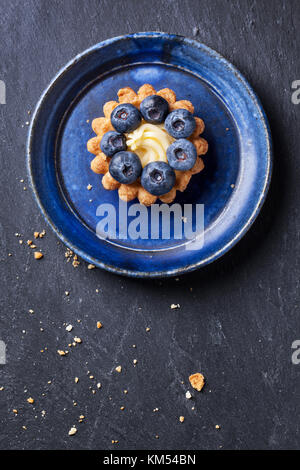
(197,381)
(61,352)
(72,431)
(173,306)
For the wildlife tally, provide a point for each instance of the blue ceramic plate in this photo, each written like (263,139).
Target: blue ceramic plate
(231,188)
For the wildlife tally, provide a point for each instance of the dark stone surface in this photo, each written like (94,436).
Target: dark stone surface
(238,323)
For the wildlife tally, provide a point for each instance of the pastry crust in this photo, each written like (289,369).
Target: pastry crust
(100,164)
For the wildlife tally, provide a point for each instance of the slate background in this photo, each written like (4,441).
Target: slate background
(238,323)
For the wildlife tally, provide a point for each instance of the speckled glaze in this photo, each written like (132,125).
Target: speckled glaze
(237,167)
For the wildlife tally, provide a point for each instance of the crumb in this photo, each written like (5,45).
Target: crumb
(77,340)
(99,325)
(91,377)
(38,255)
(173,306)
(181,419)
(72,431)
(68,254)
(30,400)
(119,369)
(134,346)
(89,187)
(125,391)
(15,411)
(232,186)
(91,266)
(67,293)
(122,408)
(98,385)
(147,329)
(75,262)
(30,310)
(197,381)
(134,361)
(36,234)
(1,389)
(76,380)
(69,328)
(217,426)
(61,352)
(156,437)
(188,395)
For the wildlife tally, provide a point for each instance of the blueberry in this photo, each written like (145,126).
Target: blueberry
(182,155)
(112,142)
(125,167)
(158,178)
(180,123)
(154,109)
(125,118)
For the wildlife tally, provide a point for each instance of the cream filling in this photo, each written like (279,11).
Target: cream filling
(149,142)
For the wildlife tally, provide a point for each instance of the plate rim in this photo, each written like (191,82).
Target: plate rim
(246,226)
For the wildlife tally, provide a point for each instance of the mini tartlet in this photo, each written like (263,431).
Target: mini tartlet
(149,140)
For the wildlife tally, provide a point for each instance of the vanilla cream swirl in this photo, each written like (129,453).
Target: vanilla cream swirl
(149,142)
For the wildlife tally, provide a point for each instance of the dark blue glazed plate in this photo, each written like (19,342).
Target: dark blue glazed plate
(231,188)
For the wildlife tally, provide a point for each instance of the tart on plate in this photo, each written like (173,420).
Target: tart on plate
(147,145)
